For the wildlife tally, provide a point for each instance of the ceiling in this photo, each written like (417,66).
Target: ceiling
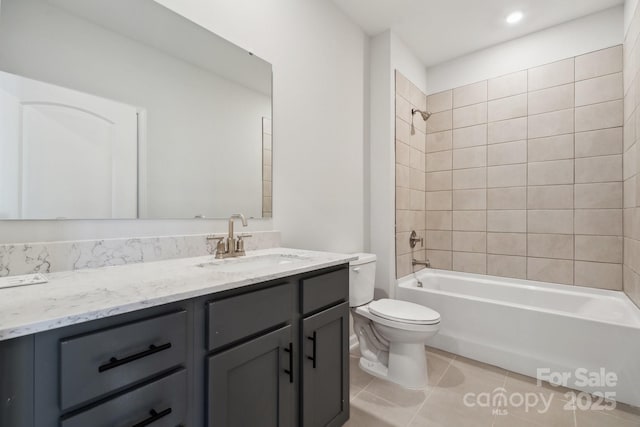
(440,30)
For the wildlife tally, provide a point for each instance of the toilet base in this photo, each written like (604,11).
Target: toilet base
(407,366)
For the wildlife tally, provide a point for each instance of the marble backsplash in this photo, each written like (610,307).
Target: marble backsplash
(51,257)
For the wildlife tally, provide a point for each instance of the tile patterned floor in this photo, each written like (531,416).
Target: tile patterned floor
(377,403)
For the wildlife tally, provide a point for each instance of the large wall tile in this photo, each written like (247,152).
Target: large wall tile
(549,75)
(440,259)
(507,108)
(470,262)
(417,200)
(552,99)
(403,153)
(599,275)
(439,181)
(599,63)
(469,200)
(440,240)
(512,198)
(440,101)
(598,196)
(403,109)
(605,222)
(599,89)
(507,266)
(417,159)
(470,116)
(440,161)
(471,94)
(417,180)
(507,176)
(507,221)
(466,179)
(550,270)
(470,220)
(470,241)
(403,176)
(550,148)
(550,197)
(550,124)
(507,153)
(550,221)
(507,243)
(599,116)
(471,136)
(470,157)
(439,122)
(599,142)
(599,248)
(438,220)
(599,169)
(511,84)
(403,131)
(438,200)
(549,173)
(403,198)
(559,246)
(507,130)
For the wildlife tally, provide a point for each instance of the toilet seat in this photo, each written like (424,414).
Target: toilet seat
(404,312)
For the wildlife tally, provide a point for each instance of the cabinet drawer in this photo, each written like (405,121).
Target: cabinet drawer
(325,290)
(98,363)
(161,403)
(241,316)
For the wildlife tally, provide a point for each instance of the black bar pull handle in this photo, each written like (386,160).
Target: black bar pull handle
(153,417)
(313,358)
(290,370)
(115,362)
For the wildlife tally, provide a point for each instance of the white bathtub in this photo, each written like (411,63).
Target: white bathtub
(522,325)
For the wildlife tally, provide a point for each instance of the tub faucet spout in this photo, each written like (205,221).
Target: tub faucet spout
(426,263)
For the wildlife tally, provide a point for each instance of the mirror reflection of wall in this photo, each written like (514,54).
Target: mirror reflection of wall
(191,114)
(267,171)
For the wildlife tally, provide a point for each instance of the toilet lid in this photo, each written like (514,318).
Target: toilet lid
(404,311)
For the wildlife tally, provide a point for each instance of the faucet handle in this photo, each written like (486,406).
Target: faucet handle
(240,242)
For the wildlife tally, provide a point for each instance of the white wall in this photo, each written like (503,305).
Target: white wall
(583,35)
(629,9)
(388,54)
(318,63)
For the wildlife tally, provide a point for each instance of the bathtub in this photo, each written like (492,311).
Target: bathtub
(577,336)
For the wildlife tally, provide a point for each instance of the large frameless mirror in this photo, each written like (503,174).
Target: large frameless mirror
(124,109)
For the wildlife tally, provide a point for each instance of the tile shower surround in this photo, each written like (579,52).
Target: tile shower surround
(524,174)
(631,160)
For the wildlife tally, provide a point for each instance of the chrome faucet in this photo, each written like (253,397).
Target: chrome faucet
(233,247)
(426,263)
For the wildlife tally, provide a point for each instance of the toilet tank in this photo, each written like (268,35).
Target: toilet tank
(362,277)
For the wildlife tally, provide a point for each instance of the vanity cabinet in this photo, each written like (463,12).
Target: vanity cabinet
(325,349)
(269,354)
(252,384)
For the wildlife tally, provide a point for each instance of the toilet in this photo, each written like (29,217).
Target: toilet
(391,333)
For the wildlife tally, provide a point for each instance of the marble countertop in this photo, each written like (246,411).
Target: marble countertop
(74,297)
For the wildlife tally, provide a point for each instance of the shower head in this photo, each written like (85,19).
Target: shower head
(425,114)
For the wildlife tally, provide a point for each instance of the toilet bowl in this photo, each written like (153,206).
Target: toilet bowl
(391,333)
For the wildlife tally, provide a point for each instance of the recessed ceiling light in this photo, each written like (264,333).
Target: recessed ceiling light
(515,17)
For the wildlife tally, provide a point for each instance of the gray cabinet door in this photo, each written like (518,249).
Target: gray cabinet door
(325,362)
(252,384)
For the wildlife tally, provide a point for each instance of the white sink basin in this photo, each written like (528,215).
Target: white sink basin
(240,264)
